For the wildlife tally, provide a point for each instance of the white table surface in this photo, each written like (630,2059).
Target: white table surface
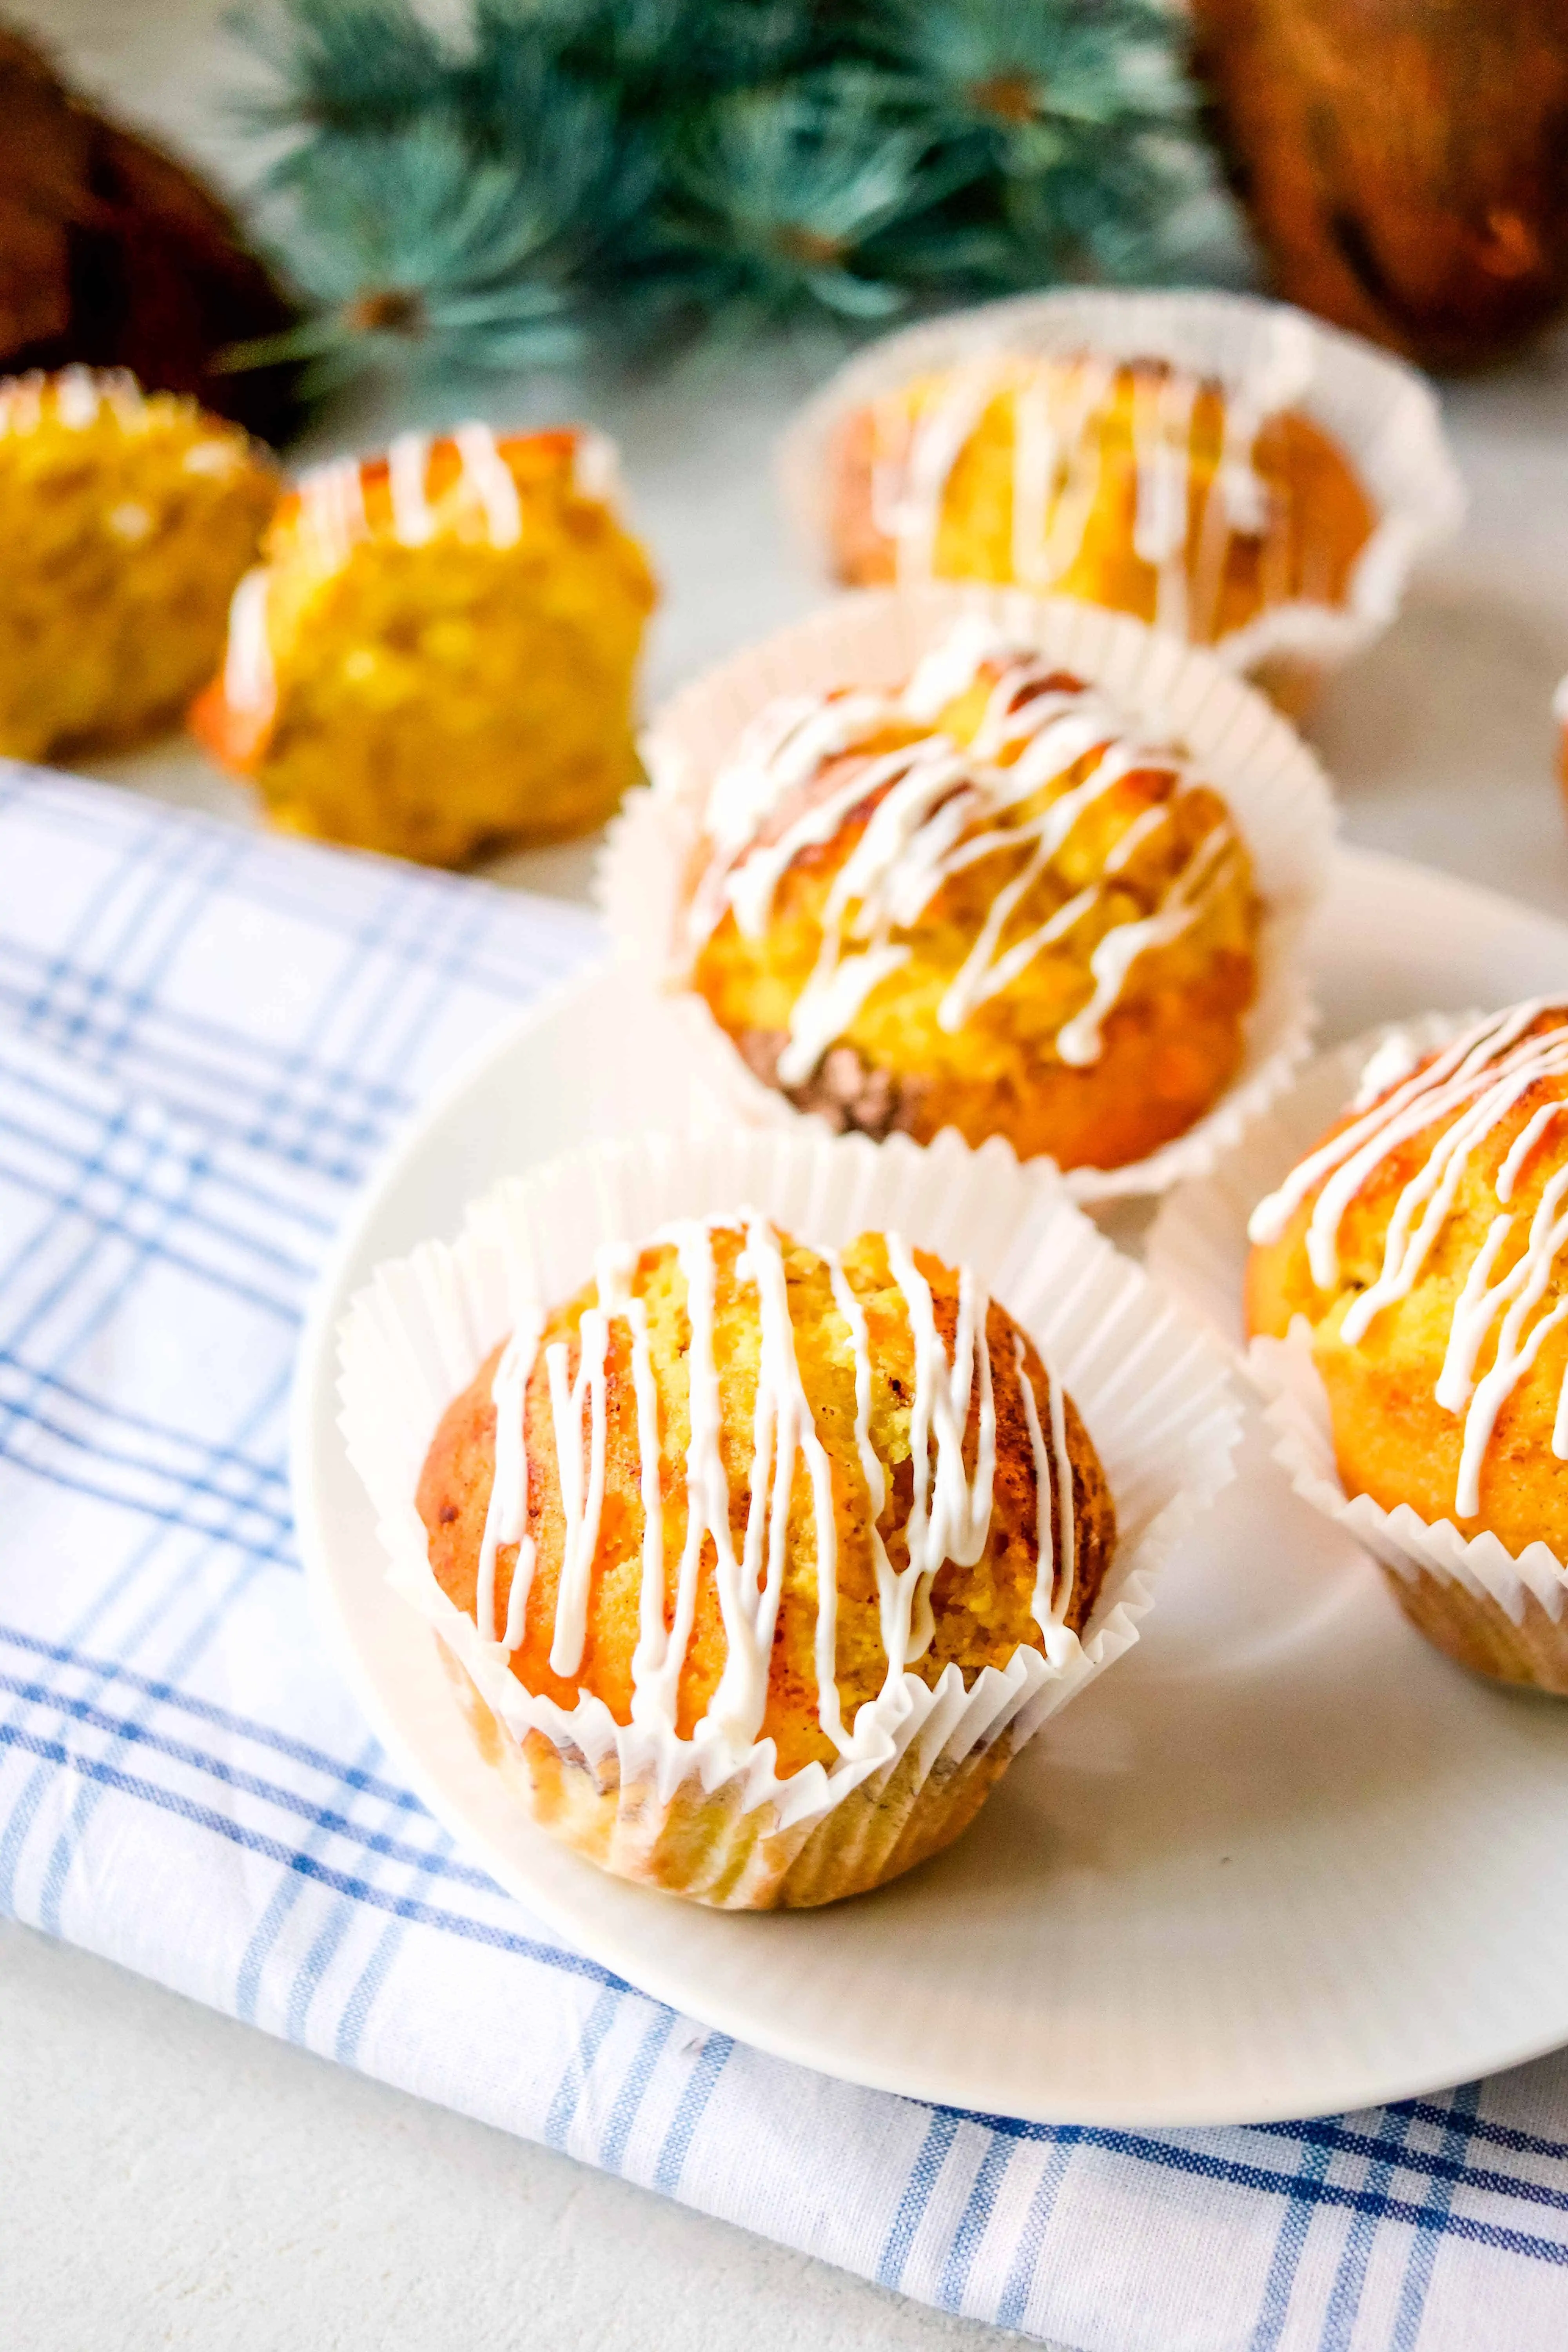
(169,2178)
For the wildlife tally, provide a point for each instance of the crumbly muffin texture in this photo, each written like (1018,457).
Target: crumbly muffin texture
(1437,1205)
(127,518)
(1058,940)
(980,1613)
(440,657)
(1138,485)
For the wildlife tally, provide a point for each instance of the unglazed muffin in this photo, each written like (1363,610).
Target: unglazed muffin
(126,517)
(1136,484)
(437,657)
(1421,1242)
(979,901)
(741,1491)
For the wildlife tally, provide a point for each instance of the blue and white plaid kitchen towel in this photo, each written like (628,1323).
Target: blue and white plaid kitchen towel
(204,1038)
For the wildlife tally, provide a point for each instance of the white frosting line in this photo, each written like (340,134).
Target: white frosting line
(407,471)
(250,678)
(331,503)
(491,478)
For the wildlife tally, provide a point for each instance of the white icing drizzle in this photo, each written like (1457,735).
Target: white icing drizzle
(250,678)
(506,1519)
(78,395)
(949,1516)
(1053,1471)
(595,466)
(491,478)
(1058,413)
(331,510)
(939,809)
(1466,1091)
(582,1486)
(407,470)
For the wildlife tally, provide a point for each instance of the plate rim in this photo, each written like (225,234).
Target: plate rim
(313,1422)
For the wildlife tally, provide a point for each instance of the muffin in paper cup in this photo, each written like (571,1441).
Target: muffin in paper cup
(1355,403)
(1497,1610)
(1274,791)
(704,1809)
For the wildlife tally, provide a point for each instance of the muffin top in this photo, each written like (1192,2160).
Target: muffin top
(990,855)
(738,1486)
(1422,1239)
(1047,469)
(431,501)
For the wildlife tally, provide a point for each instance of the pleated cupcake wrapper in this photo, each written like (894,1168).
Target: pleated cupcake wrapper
(1154,1393)
(1382,414)
(1274,788)
(1197,1252)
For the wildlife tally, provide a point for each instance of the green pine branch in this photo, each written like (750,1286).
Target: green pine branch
(488,196)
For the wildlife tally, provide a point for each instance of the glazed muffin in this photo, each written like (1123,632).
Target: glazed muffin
(437,657)
(981,901)
(743,1493)
(1420,1244)
(1136,484)
(127,520)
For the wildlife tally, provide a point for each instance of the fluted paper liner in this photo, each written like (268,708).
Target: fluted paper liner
(1382,414)
(1494,1609)
(1275,790)
(1153,1391)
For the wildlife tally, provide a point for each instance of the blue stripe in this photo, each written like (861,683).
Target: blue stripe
(425,1915)
(982,2195)
(264,1934)
(1280,2286)
(1015,2302)
(634,2089)
(265,1734)
(924,2174)
(578,2067)
(1422,2257)
(1349,2277)
(716,2054)
(129,1732)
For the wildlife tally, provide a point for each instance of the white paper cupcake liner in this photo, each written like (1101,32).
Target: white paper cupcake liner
(1154,1394)
(1274,786)
(1380,413)
(1197,1251)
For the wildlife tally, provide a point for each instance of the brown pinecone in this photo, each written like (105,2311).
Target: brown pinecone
(113,253)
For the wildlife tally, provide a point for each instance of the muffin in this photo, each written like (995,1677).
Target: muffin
(127,520)
(748,1494)
(980,900)
(1137,484)
(437,657)
(1419,1244)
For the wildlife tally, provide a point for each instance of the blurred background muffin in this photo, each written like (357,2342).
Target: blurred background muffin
(1140,485)
(127,518)
(437,657)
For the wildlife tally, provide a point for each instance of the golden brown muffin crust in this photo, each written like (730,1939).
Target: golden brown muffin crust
(1317,522)
(1392,1440)
(1170,1045)
(982,1613)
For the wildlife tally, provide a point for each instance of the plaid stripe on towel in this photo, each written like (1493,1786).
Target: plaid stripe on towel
(204,1038)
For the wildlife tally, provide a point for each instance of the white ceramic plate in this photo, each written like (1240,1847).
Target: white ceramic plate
(1286,1860)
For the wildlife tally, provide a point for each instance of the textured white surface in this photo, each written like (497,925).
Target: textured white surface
(168,2177)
